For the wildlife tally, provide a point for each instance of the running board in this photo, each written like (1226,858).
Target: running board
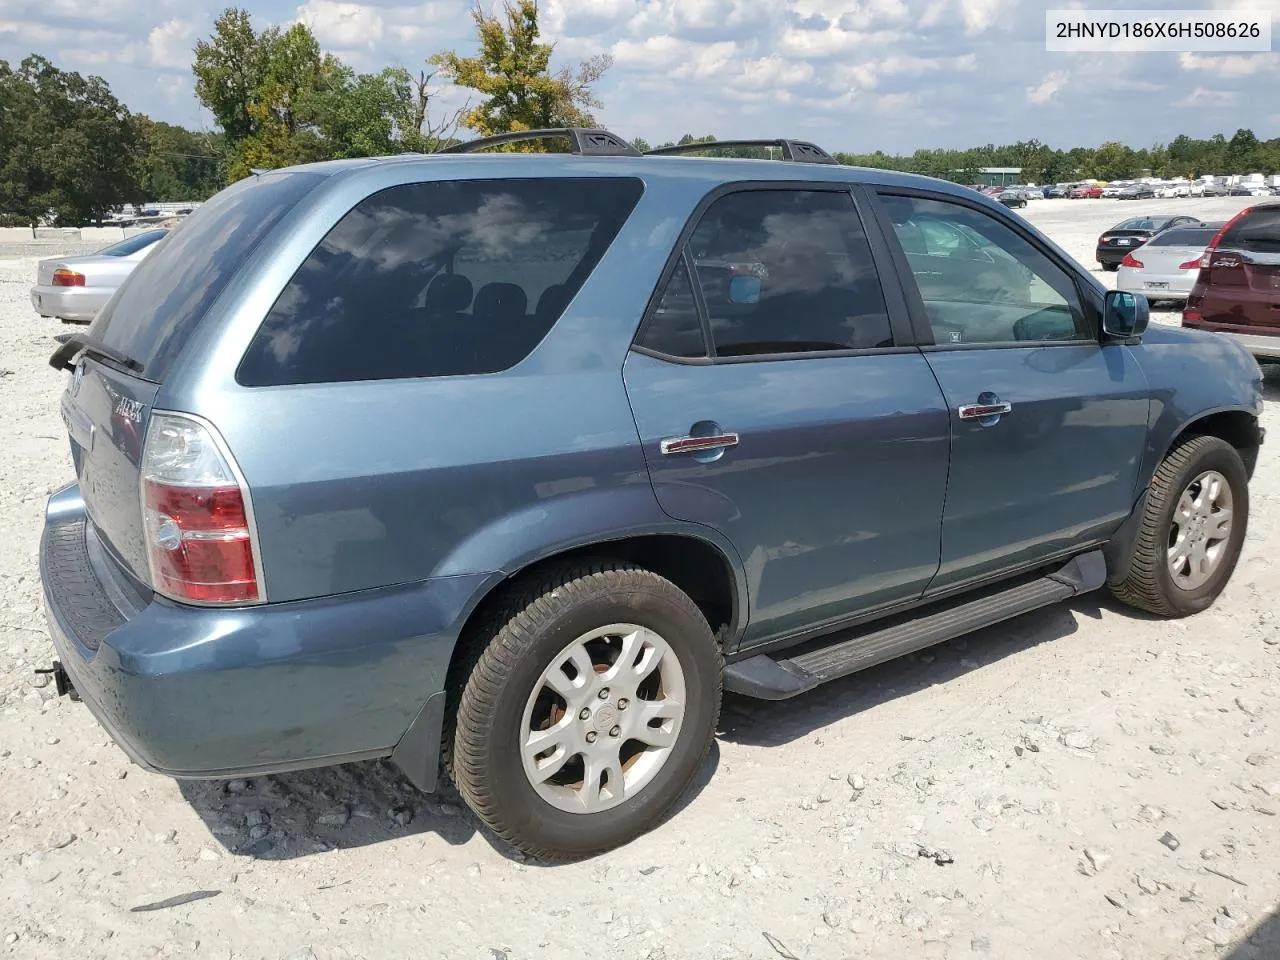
(767,678)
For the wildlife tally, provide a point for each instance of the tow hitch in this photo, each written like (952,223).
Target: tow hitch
(61,680)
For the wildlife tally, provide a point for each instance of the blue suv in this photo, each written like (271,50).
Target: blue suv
(509,463)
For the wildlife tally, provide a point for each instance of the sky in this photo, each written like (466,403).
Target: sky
(850,75)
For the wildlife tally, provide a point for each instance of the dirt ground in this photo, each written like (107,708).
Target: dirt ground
(1083,782)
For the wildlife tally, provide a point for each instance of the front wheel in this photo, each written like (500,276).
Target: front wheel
(588,712)
(1193,527)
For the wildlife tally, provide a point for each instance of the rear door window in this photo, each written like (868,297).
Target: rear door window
(155,311)
(435,279)
(788,271)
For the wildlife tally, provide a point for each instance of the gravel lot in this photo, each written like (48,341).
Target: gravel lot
(1083,782)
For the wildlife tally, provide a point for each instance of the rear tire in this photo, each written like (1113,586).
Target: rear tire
(1193,527)
(1111,267)
(565,761)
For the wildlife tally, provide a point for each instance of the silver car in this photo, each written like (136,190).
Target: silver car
(1166,266)
(74,289)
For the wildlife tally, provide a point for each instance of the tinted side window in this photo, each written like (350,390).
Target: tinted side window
(438,279)
(787,271)
(992,286)
(673,328)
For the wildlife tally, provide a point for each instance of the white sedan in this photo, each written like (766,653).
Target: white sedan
(74,289)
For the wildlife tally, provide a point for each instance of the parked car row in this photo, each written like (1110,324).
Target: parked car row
(1131,190)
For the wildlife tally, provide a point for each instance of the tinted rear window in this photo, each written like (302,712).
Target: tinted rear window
(1183,237)
(155,311)
(132,244)
(1140,223)
(1259,232)
(438,279)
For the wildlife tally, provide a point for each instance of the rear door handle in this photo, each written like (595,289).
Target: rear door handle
(673,445)
(980,411)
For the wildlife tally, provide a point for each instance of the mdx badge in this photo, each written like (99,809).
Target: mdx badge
(128,409)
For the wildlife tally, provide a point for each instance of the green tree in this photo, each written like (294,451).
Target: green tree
(1114,161)
(178,164)
(512,71)
(68,147)
(229,72)
(419,129)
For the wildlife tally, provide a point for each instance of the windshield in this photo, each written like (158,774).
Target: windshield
(154,312)
(132,244)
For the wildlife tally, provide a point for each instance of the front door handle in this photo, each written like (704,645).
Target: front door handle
(673,445)
(980,411)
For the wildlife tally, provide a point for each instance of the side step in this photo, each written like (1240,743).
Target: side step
(767,678)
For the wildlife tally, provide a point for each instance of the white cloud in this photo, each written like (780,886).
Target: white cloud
(1048,88)
(171,44)
(914,66)
(981,15)
(343,25)
(1230,65)
(835,40)
(1200,97)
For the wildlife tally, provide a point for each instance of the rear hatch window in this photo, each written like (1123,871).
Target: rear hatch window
(1185,236)
(1259,232)
(155,311)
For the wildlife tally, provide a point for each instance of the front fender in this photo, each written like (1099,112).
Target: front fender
(1193,375)
(569,521)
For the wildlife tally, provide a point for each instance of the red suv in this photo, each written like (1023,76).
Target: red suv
(1238,290)
(1086,191)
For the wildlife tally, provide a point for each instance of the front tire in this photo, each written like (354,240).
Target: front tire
(1193,527)
(589,711)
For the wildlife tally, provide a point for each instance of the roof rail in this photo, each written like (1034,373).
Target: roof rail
(583,141)
(799,151)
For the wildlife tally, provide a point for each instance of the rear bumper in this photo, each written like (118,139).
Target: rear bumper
(202,693)
(69,303)
(1176,285)
(1113,255)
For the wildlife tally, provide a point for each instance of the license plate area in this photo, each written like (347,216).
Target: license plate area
(1157,285)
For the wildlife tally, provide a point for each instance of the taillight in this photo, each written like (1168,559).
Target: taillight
(62,277)
(200,541)
(1130,261)
(1222,232)
(1192,264)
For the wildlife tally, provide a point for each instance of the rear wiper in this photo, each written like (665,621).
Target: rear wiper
(75,343)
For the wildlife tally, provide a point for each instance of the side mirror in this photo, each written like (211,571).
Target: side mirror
(1125,315)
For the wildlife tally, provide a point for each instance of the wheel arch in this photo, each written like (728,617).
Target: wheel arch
(695,558)
(1237,426)
(1234,425)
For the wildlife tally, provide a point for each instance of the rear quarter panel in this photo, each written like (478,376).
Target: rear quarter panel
(367,484)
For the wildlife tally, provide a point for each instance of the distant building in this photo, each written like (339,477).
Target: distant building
(999,176)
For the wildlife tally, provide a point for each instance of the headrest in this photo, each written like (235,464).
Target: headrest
(449,293)
(500,301)
(552,302)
